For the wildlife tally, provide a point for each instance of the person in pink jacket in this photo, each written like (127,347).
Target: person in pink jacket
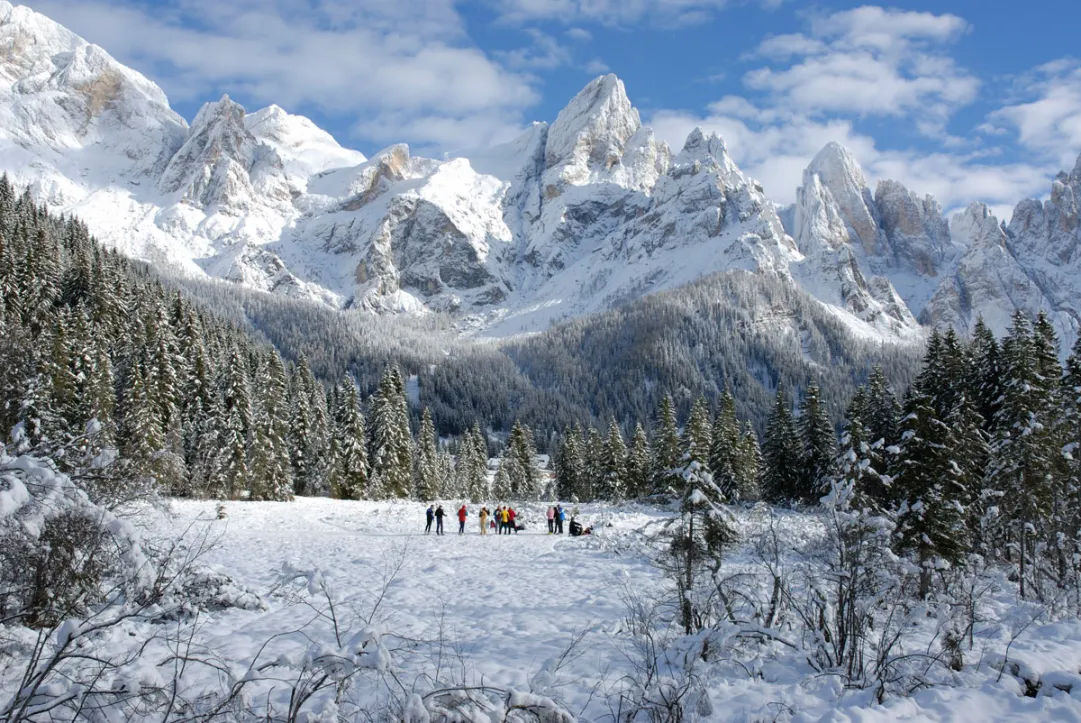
(551,520)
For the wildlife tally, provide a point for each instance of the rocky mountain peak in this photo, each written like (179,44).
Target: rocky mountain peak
(222,166)
(841,174)
(590,134)
(304,148)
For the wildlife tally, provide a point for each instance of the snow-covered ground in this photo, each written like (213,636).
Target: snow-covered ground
(502,610)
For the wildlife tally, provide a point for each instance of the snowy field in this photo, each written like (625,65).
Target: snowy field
(503,611)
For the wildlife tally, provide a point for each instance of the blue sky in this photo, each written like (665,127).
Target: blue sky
(966,100)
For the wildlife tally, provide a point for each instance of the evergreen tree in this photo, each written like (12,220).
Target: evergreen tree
(271,468)
(349,480)
(614,465)
(570,466)
(726,453)
(237,409)
(639,464)
(930,516)
(819,445)
(391,439)
(525,476)
(426,462)
(882,417)
(1024,451)
(697,435)
(667,451)
(781,454)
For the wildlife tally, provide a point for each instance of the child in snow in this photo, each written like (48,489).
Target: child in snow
(439,520)
(429,514)
(462,514)
(560,516)
(511,524)
(577,530)
(484,520)
(504,521)
(551,520)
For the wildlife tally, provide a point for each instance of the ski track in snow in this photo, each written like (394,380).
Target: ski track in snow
(510,605)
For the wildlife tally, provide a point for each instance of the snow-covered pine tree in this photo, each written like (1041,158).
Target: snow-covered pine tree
(883,415)
(391,455)
(930,516)
(819,443)
(525,475)
(639,464)
(302,443)
(667,449)
(614,485)
(698,435)
(859,460)
(237,410)
(1024,451)
(570,466)
(781,454)
(426,461)
(984,382)
(349,480)
(477,480)
(502,486)
(271,468)
(727,448)
(748,472)
(593,469)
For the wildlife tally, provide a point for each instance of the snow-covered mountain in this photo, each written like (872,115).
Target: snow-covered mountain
(567,219)
(898,249)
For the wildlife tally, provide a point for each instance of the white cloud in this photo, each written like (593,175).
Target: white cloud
(1046,116)
(596,67)
(672,13)
(370,59)
(579,34)
(869,62)
(545,53)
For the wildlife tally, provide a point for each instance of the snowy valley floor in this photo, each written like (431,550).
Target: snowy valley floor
(507,607)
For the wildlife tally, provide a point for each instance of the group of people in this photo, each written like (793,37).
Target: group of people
(503,521)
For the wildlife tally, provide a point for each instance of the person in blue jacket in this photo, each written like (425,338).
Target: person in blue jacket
(430,515)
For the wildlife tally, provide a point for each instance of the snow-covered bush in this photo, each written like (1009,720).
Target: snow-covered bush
(58,549)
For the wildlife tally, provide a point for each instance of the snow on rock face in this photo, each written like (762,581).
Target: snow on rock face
(918,234)
(222,167)
(59,93)
(841,175)
(304,148)
(988,281)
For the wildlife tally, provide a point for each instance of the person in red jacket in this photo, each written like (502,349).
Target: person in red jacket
(462,514)
(512,525)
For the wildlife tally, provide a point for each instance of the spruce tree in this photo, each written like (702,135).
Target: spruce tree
(697,435)
(819,445)
(271,468)
(391,439)
(525,476)
(349,480)
(614,465)
(1024,451)
(570,466)
(426,462)
(781,454)
(639,464)
(726,452)
(667,449)
(931,520)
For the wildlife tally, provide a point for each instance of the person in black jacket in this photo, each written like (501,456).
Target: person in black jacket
(439,520)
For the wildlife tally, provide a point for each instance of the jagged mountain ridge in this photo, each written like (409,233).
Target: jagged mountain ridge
(570,218)
(944,272)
